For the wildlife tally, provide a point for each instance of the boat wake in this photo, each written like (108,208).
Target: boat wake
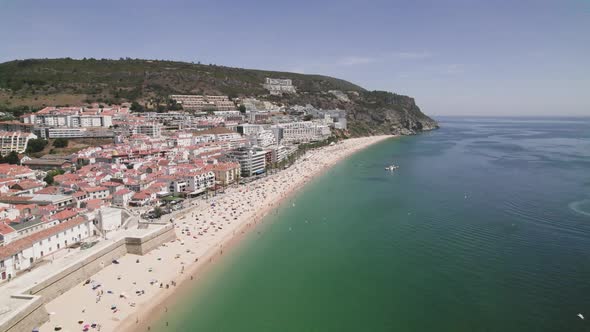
(581,207)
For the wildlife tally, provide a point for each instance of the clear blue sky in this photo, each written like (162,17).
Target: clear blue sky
(495,57)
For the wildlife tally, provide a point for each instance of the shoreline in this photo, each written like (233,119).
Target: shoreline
(142,316)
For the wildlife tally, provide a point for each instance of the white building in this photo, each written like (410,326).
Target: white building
(14,141)
(277,86)
(22,253)
(109,219)
(122,197)
(252,161)
(204,103)
(247,129)
(263,139)
(72,117)
(301,132)
(148,129)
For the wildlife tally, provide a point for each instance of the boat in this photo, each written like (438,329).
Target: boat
(391,168)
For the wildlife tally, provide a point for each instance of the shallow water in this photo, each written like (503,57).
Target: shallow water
(485,227)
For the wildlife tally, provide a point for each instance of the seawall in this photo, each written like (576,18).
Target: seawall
(31,312)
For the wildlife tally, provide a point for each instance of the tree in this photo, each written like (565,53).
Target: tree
(12,158)
(60,142)
(308,117)
(51,174)
(158,212)
(36,145)
(136,107)
(242,108)
(48,179)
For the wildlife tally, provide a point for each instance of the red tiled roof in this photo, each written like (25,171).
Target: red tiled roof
(26,242)
(65,214)
(5,229)
(123,191)
(95,189)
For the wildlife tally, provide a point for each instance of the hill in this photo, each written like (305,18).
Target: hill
(35,83)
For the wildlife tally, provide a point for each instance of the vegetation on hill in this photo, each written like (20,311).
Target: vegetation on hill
(27,85)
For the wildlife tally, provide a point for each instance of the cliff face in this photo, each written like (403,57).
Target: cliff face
(369,112)
(380,112)
(39,82)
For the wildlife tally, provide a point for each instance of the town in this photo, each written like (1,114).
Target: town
(154,164)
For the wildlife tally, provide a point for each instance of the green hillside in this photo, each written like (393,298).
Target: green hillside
(36,83)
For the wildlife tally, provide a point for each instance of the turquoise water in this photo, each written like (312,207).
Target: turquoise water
(485,227)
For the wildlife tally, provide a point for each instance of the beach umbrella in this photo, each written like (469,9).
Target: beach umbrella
(35,329)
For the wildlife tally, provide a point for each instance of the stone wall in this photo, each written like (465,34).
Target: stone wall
(33,313)
(145,244)
(28,317)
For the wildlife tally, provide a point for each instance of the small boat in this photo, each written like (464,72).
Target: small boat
(391,168)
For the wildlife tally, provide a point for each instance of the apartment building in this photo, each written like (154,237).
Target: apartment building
(72,117)
(200,103)
(226,173)
(277,86)
(252,160)
(301,132)
(148,129)
(14,141)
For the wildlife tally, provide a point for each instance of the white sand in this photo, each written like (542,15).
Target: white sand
(211,229)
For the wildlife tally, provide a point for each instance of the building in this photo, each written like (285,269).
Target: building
(200,103)
(59,201)
(23,253)
(14,141)
(277,86)
(16,126)
(199,182)
(97,192)
(122,197)
(247,129)
(258,117)
(301,132)
(47,162)
(252,160)
(16,171)
(226,173)
(148,129)
(109,219)
(72,117)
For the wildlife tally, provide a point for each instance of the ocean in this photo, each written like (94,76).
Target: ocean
(484,227)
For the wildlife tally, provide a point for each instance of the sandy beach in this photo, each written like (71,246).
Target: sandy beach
(130,295)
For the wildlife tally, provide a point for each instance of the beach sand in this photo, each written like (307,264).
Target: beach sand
(133,293)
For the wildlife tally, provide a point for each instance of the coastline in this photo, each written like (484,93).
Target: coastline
(261,198)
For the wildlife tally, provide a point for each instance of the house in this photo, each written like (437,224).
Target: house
(97,192)
(112,186)
(142,198)
(122,197)
(16,171)
(28,187)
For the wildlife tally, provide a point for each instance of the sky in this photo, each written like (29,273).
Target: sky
(455,57)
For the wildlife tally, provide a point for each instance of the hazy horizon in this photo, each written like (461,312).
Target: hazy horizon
(454,57)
